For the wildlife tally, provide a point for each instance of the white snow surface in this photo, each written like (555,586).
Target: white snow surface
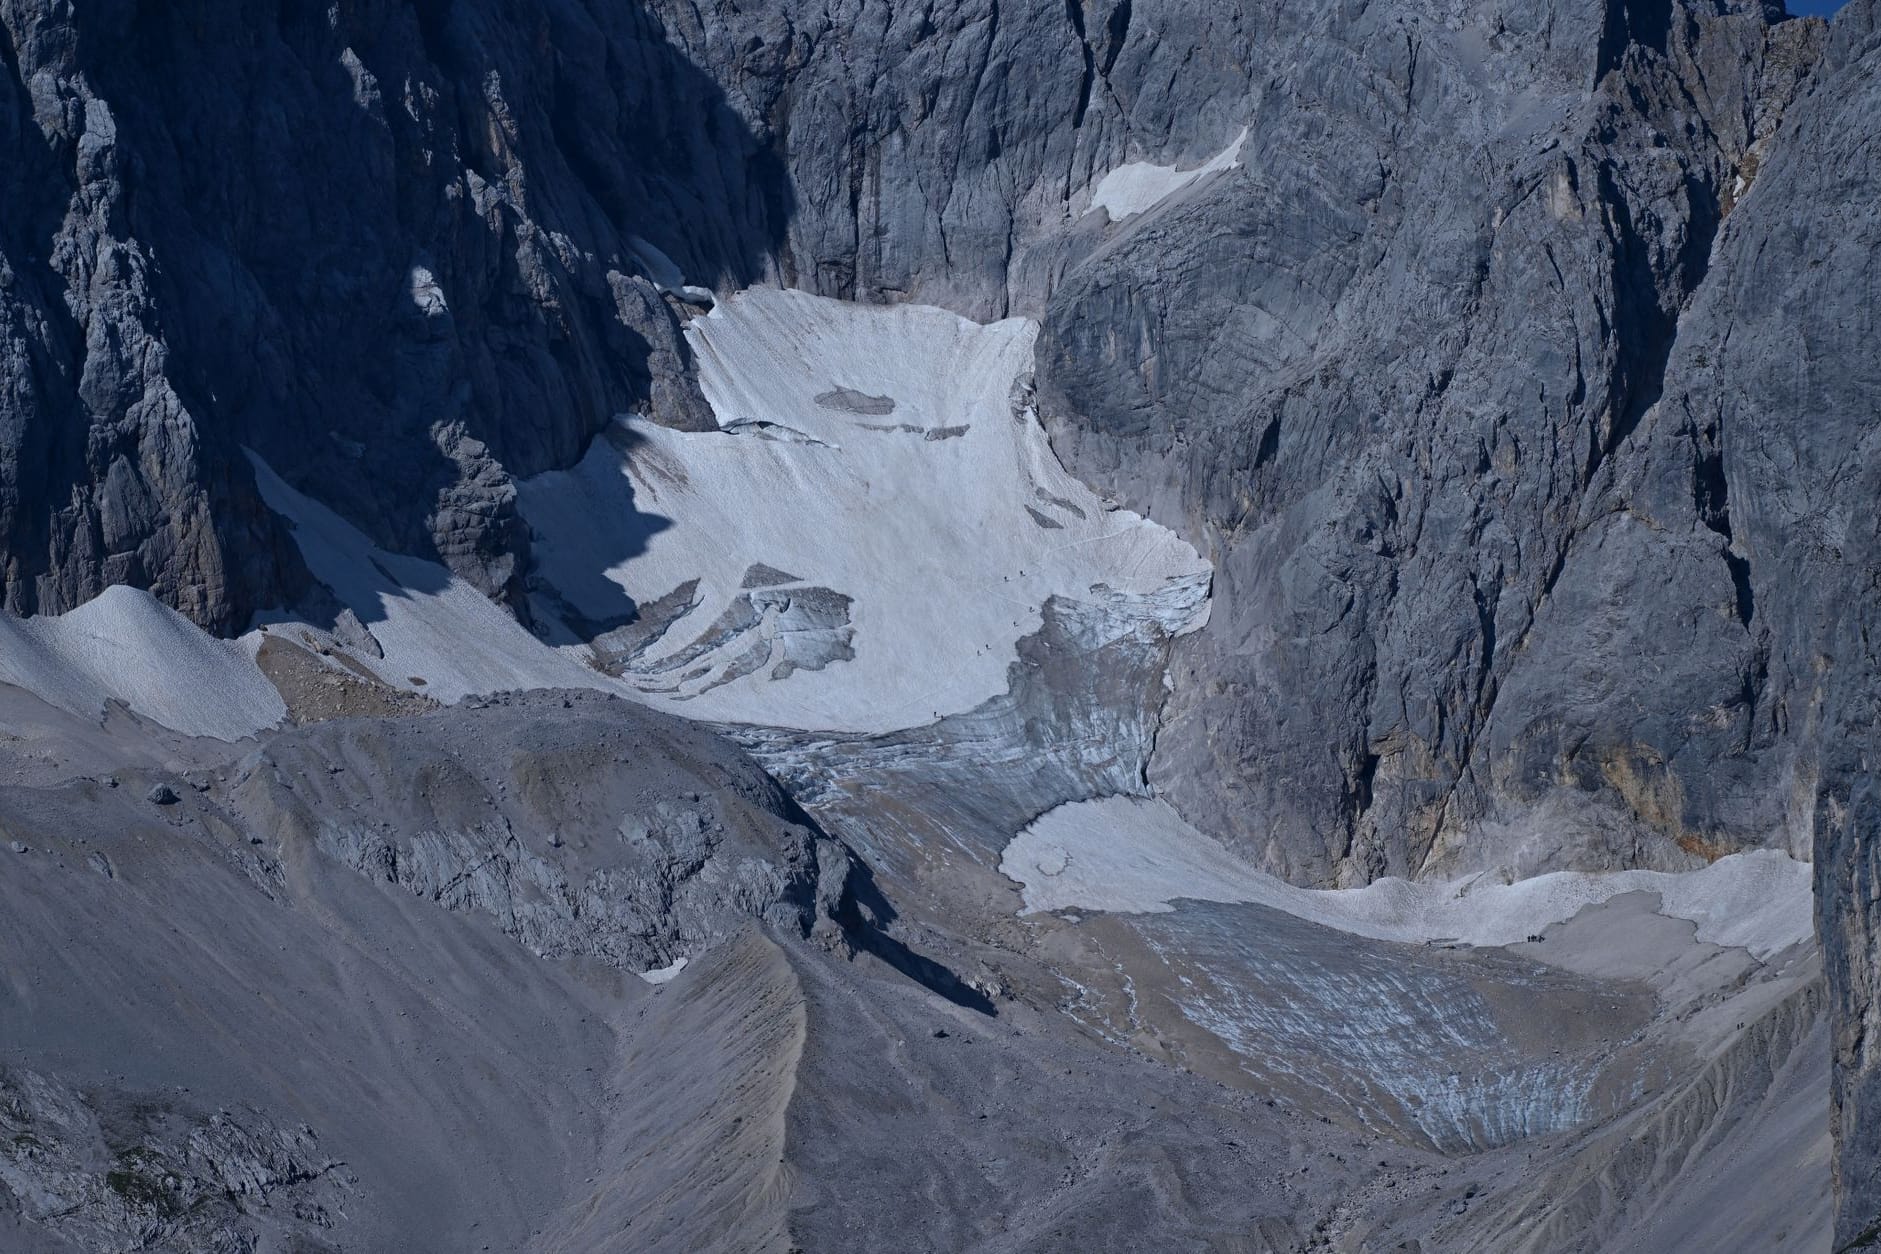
(664,272)
(1137,186)
(1133,856)
(125,645)
(945,518)
(432,626)
(665,974)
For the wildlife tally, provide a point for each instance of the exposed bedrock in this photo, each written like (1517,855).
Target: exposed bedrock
(1399,374)
(581,824)
(1511,362)
(113,1170)
(1776,373)
(410,253)
(1393,359)
(376,985)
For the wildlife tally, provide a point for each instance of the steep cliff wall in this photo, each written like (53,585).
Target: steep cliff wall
(1775,373)
(1392,362)
(400,250)
(1398,374)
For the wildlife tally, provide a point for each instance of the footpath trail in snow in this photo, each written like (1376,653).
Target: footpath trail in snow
(860,546)
(1132,856)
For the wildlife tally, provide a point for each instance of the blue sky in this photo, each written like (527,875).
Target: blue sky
(1813,8)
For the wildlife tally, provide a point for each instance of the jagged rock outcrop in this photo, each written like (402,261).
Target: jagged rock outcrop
(1394,374)
(224,1029)
(1394,370)
(113,1170)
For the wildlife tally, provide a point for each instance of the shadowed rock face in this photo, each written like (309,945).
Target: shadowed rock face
(387,246)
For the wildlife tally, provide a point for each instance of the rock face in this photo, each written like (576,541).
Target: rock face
(326,236)
(351,977)
(1511,363)
(1774,376)
(108,1171)
(1393,363)
(1398,374)
(1392,359)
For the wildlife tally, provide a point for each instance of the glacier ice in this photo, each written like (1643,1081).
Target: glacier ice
(922,548)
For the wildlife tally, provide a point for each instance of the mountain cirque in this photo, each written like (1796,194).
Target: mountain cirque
(1272,632)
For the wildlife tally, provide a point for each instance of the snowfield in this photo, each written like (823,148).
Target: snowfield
(1132,856)
(124,645)
(860,546)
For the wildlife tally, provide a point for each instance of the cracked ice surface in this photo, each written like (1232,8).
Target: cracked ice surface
(1132,856)
(1393,1038)
(922,538)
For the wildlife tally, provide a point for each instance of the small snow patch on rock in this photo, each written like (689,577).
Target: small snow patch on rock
(660,975)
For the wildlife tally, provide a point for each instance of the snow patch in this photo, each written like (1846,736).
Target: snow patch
(427,294)
(1134,856)
(924,548)
(664,273)
(440,636)
(661,975)
(1137,186)
(125,645)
